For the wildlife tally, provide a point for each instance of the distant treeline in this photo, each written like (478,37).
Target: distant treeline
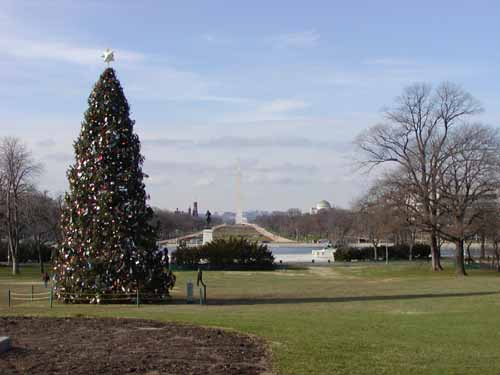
(335,225)
(174,224)
(29,251)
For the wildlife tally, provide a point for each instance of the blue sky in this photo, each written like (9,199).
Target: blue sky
(284,86)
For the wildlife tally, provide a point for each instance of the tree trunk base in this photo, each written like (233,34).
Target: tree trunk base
(459,258)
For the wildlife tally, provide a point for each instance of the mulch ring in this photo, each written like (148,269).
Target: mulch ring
(119,346)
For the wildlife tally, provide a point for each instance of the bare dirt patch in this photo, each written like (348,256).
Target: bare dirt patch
(120,346)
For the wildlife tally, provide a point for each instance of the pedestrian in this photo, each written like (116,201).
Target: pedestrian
(46,279)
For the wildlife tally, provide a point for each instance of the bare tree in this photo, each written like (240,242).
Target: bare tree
(398,195)
(3,216)
(414,138)
(17,169)
(375,219)
(343,225)
(488,227)
(468,183)
(335,224)
(491,231)
(42,215)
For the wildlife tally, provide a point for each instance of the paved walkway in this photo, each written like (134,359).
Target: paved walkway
(272,237)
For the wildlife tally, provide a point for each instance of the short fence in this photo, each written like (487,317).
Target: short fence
(135,298)
(30,297)
(93,298)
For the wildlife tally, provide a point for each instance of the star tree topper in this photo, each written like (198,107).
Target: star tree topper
(108,56)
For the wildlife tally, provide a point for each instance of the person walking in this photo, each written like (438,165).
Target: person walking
(46,279)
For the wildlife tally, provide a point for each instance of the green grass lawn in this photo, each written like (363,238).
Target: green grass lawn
(362,319)
(234,231)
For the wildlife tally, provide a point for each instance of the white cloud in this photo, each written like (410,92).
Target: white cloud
(279,113)
(58,156)
(222,99)
(205,181)
(46,143)
(217,39)
(283,106)
(158,180)
(60,51)
(250,142)
(299,39)
(151,81)
(389,61)
(209,37)
(165,83)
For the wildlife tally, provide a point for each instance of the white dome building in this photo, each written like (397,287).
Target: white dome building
(320,206)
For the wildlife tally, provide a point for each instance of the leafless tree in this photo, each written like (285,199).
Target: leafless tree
(17,169)
(375,219)
(171,224)
(335,224)
(41,214)
(3,216)
(468,183)
(491,231)
(414,137)
(488,226)
(343,226)
(398,195)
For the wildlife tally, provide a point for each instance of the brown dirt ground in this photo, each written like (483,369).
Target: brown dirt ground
(120,346)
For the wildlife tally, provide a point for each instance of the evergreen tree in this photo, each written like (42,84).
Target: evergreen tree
(109,246)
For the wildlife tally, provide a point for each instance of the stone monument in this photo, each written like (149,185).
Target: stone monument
(208,236)
(240,219)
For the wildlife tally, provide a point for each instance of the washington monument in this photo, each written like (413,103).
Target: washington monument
(239,210)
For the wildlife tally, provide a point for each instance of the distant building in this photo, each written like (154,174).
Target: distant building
(228,217)
(321,206)
(294,212)
(252,215)
(195,209)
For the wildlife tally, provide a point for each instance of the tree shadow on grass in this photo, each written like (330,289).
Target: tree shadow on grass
(283,301)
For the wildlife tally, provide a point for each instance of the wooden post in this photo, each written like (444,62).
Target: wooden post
(51,296)
(9,298)
(203,295)
(386,254)
(32,291)
(137,298)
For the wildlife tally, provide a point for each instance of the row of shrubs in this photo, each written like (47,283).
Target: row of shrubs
(397,252)
(234,253)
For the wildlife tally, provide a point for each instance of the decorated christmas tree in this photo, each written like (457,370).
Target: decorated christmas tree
(109,246)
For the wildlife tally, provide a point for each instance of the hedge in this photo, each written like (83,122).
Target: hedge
(398,252)
(234,253)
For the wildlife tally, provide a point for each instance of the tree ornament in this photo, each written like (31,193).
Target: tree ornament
(108,56)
